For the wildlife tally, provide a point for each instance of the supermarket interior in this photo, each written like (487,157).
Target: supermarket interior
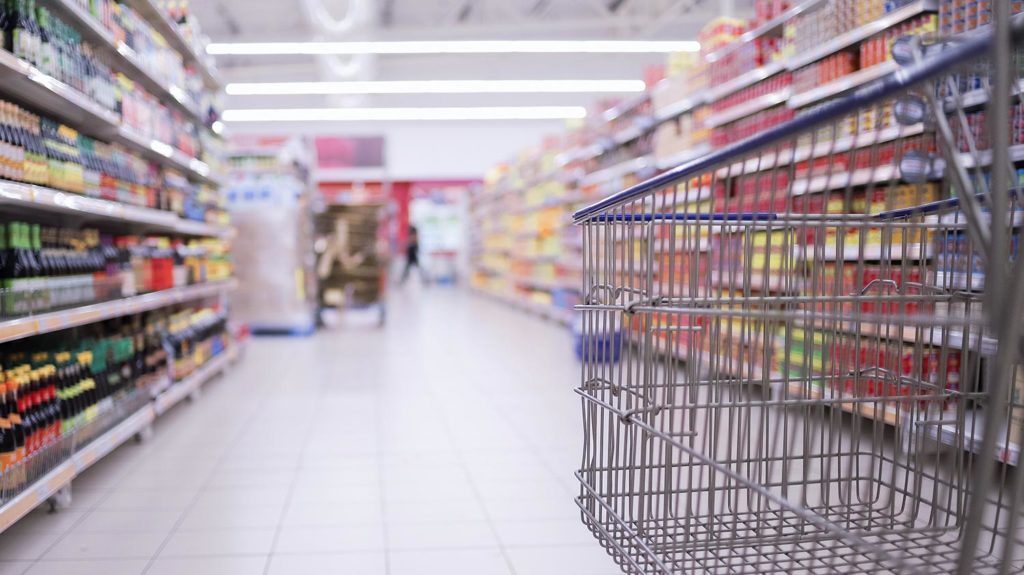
(511,287)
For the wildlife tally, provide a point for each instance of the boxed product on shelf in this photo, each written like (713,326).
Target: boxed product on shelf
(680,65)
(55,155)
(681,135)
(765,10)
(742,345)
(878,48)
(810,29)
(758,193)
(863,367)
(772,85)
(719,32)
(760,259)
(958,265)
(879,279)
(824,71)
(750,125)
(959,16)
(977,131)
(881,200)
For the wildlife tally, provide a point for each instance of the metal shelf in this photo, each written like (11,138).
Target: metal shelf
(634,132)
(46,487)
(27,84)
(186,387)
(20,328)
(744,80)
(794,390)
(626,107)
(618,170)
(969,436)
(122,57)
(979,97)
(679,108)
(844,84)
(683,157)
(165,154)
(953,337)
(32,88)
(546,311)
(28,197)
(542,285)
(985,157)
(38,493)
(869,410)
(857,35)
(774,25)
(785,157)
(768,70)
(840,180)
(748,108)
(877,252)
(172,33)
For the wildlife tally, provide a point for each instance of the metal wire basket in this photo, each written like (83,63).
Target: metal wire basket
(821,371)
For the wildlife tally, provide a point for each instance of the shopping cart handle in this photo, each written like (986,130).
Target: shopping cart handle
(688,217)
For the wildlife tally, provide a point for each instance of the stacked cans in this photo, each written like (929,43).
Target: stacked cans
(959,16)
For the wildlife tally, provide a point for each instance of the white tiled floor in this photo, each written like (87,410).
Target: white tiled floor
(442,444)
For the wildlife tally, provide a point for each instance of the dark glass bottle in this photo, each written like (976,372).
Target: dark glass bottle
(8,445)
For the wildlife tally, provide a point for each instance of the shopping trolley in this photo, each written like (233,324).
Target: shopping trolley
(822,367)
(352,265)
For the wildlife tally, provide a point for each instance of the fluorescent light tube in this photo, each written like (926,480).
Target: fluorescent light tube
(456,47)
(405,114)
(436,87)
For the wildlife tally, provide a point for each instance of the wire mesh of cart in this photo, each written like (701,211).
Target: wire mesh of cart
(821,370)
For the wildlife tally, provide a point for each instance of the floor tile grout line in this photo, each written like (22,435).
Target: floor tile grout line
(462,458)
(239,434)
(459,456)
(89,510)
(382,497)
(291,486)
(527,440)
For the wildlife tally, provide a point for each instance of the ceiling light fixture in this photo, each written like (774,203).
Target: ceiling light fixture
(436,87)
(455,47)
(405,114)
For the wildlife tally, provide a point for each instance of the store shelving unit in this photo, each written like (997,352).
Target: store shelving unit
(132,426)
(35,89)
(27,84)
(124,58)
(505,208)
(48,322)
(27,198)
(23,83)
(172,33)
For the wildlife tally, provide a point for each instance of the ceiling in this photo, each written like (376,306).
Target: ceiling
(274,20)
(226,20)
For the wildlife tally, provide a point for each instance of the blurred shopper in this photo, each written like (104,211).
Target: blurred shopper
(412,256)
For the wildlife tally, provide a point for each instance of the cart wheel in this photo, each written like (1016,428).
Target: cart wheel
(144,434)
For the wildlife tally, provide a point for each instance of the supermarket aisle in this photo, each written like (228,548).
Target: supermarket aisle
(443,444)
